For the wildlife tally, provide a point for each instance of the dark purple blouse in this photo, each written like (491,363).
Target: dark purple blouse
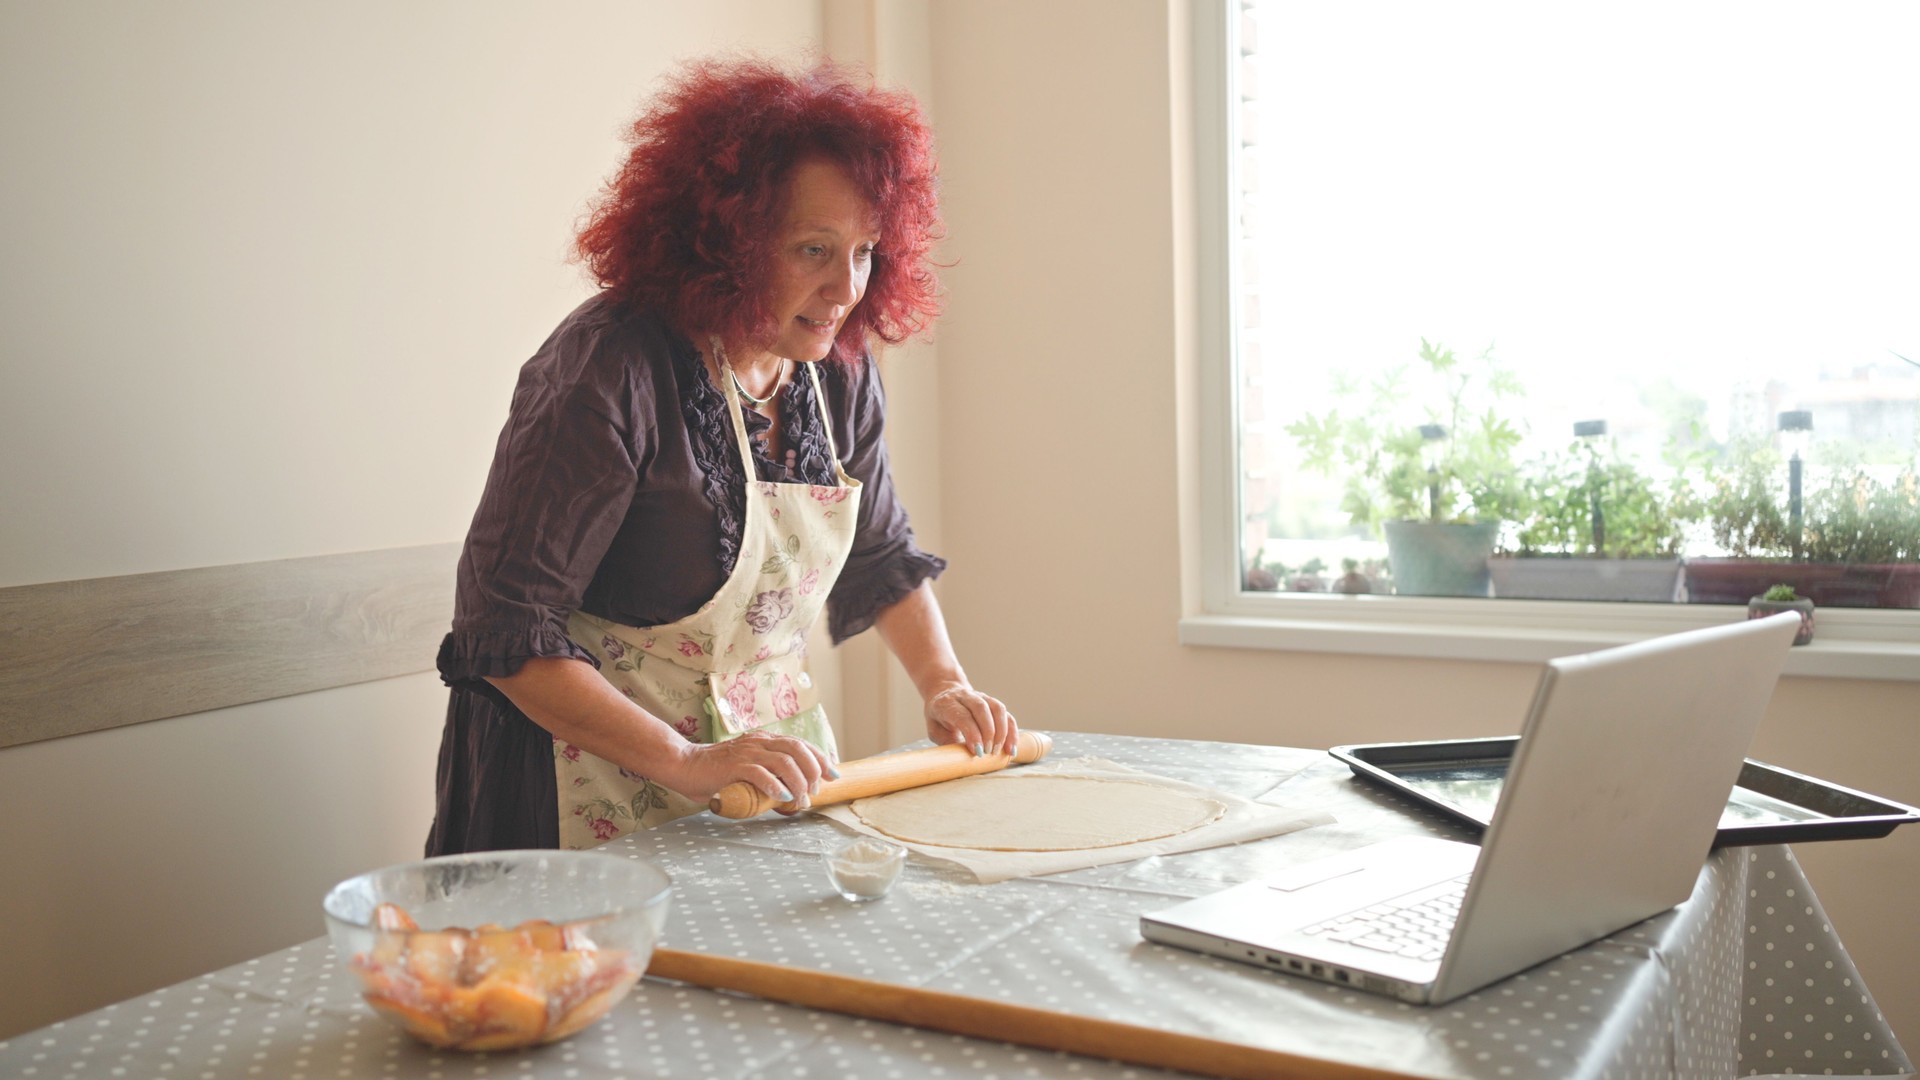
(616,489)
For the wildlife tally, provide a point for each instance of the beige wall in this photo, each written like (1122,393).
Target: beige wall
(197,375)
(1065,390)
(878,705)
(144,855)
(270,271)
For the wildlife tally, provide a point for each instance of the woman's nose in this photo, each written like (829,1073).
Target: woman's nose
(843,287)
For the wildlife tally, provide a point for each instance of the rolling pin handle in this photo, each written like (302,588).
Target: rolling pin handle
(739,800)
(1032,746)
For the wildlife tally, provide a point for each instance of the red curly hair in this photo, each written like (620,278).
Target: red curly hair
(689,223)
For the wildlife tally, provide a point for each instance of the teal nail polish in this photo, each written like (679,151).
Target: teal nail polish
(833,772)
(979,750)
(783,795)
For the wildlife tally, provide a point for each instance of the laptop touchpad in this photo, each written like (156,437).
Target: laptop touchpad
(1313,873)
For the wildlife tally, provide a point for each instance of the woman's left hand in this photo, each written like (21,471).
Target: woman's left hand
(960,714)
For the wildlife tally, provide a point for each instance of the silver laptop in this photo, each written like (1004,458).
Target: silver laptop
(1609,808)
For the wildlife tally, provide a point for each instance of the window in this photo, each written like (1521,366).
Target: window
(1616,305)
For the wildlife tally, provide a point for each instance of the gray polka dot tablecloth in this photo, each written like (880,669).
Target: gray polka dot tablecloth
(1747,977)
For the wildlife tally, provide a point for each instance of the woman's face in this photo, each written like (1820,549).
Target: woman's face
(823,256)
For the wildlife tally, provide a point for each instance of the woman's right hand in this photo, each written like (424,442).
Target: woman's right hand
(782,767)
(569,699)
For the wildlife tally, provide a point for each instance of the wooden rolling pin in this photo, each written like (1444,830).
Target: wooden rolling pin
(884,773)
(997,1021)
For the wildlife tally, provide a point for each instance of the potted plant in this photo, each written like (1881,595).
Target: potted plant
(1261,577)
(1781,598)
(1428,462)
(1353,581)
(1595,526)
(1309,578)
(1858,543)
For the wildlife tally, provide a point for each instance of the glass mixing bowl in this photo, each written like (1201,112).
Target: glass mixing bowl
(500,949)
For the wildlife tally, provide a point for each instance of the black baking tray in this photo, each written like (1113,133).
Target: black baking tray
(1770,805)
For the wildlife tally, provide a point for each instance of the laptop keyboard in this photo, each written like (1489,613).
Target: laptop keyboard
(1416,925)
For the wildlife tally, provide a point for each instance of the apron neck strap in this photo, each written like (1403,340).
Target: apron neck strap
(716,369)
(826,421)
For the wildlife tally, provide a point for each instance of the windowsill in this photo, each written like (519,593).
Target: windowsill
(1850,644)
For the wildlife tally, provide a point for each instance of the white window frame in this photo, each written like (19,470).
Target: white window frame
(1850,643)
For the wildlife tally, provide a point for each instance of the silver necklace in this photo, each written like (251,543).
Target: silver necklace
(757,402)
(720,354)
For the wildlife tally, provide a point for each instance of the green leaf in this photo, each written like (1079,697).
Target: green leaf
(1437,357)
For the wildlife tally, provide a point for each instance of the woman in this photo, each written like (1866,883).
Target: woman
(693,469)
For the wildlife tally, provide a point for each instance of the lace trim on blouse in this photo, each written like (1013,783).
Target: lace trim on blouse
(711,433)
(812,455)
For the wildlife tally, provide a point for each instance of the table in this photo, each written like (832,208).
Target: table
(1745,977)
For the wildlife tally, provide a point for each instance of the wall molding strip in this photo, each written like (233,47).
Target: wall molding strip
(98,653)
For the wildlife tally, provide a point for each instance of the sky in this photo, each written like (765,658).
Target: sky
(1716,194)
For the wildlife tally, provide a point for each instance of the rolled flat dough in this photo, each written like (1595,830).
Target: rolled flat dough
(1013,812)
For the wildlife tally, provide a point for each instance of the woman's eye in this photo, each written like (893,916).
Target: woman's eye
(814,250)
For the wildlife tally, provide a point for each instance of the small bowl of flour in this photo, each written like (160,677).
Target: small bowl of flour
(864,868)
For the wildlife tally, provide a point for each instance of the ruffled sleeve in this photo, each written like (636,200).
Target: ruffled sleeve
(563,477)
(885,564)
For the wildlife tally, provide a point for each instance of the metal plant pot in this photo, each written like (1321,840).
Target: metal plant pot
(1760,607)
(1430,559)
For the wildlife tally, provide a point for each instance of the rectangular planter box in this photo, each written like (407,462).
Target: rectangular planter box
(1735,581)
(1561,577)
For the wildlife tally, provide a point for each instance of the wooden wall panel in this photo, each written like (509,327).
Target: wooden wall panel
(79,656)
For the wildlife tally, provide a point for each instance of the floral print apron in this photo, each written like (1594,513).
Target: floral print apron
(738,664)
